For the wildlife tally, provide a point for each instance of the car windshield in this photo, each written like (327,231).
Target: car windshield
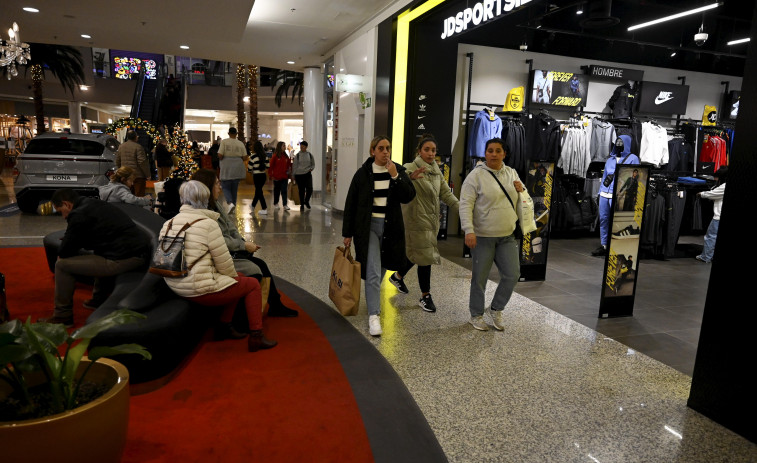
(69,146)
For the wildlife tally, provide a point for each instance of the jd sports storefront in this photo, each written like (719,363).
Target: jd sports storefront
(446,65)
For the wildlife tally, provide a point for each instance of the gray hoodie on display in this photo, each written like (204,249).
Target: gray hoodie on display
(602,138)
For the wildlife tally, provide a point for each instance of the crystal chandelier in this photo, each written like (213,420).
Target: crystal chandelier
(13,51)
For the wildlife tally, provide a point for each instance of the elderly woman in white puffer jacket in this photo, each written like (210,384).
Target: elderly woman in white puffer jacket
(212,280)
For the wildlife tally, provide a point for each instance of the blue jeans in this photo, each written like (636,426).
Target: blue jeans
(709,240)
(502,251)
(605,209)
(230,189)
(374,273)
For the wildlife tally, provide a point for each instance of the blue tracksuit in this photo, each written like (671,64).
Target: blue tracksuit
(605,192)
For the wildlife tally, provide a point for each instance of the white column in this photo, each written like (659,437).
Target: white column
(74,116)
(312,123)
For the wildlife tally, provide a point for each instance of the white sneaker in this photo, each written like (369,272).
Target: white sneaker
(263,212)
(276,206)
(286,208)
(374,325)
(479,323)
(497,320)
(230,207)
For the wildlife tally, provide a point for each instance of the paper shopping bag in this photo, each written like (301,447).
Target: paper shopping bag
(293,193)
(344,284)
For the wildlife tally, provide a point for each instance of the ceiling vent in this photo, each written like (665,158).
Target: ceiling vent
(599,15)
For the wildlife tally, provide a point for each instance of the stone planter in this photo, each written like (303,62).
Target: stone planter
(95,432)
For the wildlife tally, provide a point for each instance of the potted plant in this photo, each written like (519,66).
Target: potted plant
(52,394)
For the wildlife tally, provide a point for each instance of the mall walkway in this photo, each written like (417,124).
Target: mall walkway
(546,389)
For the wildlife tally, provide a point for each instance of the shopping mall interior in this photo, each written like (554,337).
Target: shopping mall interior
(655,370)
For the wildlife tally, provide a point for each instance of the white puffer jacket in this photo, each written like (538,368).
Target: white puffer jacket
(214,271)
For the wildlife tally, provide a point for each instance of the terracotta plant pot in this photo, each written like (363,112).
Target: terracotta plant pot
(95,432)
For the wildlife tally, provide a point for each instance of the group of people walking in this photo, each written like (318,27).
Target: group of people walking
(392,216)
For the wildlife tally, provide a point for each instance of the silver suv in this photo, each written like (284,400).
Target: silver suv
(51,161)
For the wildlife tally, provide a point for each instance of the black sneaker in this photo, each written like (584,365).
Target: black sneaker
(600,251)
(398,283)
(427,303)
(67,321)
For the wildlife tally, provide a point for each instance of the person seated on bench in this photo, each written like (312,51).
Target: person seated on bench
(212,280)
(118,247)
(119,189)
(241,250)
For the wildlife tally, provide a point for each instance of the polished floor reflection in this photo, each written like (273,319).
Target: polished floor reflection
(546,389)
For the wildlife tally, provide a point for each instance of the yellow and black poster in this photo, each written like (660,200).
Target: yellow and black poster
(621,262)
(533,250)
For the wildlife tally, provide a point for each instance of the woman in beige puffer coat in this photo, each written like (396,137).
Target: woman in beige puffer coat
(212,280)
(421,217)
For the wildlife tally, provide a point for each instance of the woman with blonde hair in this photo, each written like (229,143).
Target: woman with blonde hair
(119,189)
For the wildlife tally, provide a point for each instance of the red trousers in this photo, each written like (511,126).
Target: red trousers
(247,288)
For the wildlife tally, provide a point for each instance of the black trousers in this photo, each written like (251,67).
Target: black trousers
(424,275)
(259,181)
(305,187)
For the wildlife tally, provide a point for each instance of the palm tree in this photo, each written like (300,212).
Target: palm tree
(63,62)
(252,74)
(286,80)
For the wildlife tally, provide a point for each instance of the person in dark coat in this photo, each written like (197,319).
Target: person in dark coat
(116,243)
(373,217)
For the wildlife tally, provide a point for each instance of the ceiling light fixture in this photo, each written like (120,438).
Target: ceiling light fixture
(13,52)
(184,47)
(675,16)
(83,87)
(580,9)
(735,42)
(290,62)
(86,36)
(29,9)
(673,54)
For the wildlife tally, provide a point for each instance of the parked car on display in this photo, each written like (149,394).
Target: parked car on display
(51,161)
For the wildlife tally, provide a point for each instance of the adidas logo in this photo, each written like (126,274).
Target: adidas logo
(421,107)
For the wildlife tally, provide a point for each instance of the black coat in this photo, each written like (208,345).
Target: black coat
(357,216)
(104,229)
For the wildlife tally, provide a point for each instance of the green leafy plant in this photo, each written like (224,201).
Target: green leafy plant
(28,348)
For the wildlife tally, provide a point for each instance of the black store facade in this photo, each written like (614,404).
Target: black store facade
(444,90)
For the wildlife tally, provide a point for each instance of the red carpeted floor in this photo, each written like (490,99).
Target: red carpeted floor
(292,403)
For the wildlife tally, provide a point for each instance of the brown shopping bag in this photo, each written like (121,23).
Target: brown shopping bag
(293,193)
(344,284)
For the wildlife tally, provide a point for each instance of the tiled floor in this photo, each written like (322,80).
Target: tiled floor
(557,385)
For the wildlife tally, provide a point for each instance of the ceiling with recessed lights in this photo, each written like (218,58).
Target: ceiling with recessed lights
(263,32)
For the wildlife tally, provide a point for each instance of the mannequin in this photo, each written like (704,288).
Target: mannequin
(621,154)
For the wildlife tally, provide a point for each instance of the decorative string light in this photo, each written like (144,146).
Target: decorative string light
(241,84)
(252,74)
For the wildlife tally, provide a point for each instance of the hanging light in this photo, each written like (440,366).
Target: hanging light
(13,51)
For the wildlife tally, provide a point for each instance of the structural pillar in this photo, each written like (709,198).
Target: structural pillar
(74,116)
(313,123)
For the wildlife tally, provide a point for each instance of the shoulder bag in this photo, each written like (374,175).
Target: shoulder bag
(168,260)
(523,209)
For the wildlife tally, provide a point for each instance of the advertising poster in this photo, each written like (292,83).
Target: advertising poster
(663,98)
(533,252)
(621,264)
(559,88)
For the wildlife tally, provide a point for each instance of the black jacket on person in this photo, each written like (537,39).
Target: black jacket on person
(622,101)
(357,216)
(104,229)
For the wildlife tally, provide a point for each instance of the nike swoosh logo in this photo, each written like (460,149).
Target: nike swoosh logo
(421,117)
(661,101)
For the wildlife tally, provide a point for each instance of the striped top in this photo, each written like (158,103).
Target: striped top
(381,179)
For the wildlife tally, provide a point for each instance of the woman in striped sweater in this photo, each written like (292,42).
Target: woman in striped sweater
(257,165)
(373,217)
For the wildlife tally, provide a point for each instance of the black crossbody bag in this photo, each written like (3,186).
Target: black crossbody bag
(518,233)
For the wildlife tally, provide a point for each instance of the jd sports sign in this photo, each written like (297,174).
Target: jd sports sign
(480,13)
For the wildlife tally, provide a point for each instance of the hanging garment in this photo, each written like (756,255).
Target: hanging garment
(514,135)
(542,138)
(484,128)
(681,155)
(714,150)
(514,101)
(574,156)
(602,138)
(654,144)
(622,101)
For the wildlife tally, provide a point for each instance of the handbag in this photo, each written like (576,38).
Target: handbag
(168,260)
(293,193)
(344,283)
(610,177)
(518,232)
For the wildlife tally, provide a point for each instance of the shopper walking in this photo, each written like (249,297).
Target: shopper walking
(163,160)
(280,170)
(489,219)
(232,156)
(421,216)
(131,154)
(302,168)
(257,165)
(716,195)
(373,217)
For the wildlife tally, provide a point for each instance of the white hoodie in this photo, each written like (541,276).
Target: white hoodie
(484,208)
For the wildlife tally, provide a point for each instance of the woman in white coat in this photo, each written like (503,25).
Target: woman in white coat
(212,280)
